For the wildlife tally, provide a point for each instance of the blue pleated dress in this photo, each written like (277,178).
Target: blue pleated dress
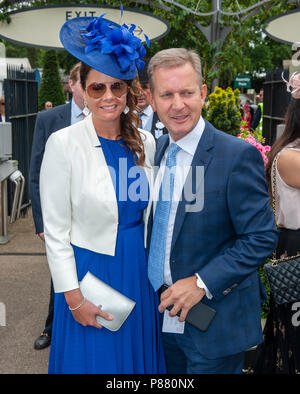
(136,348)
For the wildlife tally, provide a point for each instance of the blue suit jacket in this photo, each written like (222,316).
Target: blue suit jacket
(226,241)
(46,123)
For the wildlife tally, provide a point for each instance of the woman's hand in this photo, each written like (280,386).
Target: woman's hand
(87,312)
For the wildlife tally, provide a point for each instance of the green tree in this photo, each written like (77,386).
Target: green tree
(245,50)
(51,85)
(34,55)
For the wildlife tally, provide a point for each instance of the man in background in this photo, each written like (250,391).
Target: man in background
(48,105)
(48,122)
(257,120)
(149,118)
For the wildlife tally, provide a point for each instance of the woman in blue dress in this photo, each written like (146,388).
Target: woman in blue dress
(95,185)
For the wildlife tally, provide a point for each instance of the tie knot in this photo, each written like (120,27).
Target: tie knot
(171,159)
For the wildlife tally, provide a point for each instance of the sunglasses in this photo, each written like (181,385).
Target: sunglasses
(97,90)
(145,86)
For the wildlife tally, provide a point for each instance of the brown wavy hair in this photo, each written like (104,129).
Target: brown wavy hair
(290,134)
(131,121)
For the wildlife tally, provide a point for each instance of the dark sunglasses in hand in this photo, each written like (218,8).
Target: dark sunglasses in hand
(97,90)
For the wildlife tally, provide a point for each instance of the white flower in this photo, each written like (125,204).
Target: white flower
(159,125)
(158,133)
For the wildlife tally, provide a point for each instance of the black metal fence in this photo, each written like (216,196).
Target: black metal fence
(21,108)
(276,100)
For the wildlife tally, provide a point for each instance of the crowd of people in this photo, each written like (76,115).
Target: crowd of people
(173,241)
(253,119)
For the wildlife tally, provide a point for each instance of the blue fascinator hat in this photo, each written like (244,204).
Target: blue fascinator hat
(104,45)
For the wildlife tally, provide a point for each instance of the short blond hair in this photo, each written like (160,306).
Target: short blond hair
(174,57)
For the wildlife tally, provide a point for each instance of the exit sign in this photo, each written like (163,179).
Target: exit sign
(242,81)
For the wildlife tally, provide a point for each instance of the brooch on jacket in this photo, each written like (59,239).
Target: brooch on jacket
(158,132)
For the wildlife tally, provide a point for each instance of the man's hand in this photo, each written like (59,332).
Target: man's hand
(41,235)
(183,294)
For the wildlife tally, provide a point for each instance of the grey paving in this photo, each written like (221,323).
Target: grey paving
(24,298)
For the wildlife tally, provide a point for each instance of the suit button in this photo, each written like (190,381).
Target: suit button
(225,292)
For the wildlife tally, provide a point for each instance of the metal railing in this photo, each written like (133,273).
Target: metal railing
(21,108)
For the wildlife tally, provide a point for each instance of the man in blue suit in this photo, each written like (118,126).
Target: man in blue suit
(149,118)
(48,122)
(218,230)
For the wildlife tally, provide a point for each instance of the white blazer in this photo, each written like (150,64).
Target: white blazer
(78,198)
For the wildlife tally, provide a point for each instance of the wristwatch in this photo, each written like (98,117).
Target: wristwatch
(202,286)
(199,282)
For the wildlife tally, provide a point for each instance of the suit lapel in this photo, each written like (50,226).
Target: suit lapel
(154,121)
(160,149)
(202,157)
(99,163)
(64,117)
(153,127)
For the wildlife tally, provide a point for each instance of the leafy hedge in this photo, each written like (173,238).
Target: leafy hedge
(262,274)
(51,88)
(223,110)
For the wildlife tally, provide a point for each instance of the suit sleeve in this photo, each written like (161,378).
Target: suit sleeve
(55,191)
(256,118)
(37,152)
(253,221)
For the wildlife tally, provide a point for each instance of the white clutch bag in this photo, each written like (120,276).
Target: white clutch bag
(108,299)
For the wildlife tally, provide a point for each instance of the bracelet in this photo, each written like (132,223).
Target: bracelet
(77,307)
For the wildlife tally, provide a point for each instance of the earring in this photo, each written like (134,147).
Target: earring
(126,110)
(86,110)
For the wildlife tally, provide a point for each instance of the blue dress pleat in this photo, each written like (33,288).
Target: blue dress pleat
(136,347)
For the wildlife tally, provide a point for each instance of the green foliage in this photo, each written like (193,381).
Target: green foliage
(222,110)
(51,86)
(18,51)
(263,277)
(245,50)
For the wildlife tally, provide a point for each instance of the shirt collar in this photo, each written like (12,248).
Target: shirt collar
(148,111)
(75,110)
(190,141)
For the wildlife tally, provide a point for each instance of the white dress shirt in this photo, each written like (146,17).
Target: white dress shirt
(184,157)
(147,118)
(76,113)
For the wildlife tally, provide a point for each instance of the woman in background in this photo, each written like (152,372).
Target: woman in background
(246,117)
(280,351)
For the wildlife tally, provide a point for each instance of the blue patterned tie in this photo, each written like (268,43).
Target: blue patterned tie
(160,224)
